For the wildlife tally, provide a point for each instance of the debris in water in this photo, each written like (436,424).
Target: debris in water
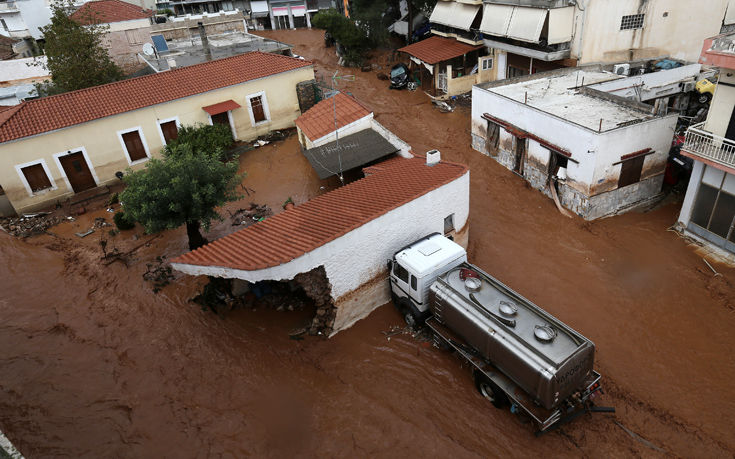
(29,224)
(85,233)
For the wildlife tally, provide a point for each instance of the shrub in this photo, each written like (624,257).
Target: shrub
(123,221)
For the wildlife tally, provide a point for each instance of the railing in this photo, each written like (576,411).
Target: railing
(709,146)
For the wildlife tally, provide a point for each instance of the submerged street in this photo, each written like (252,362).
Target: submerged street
(94,364)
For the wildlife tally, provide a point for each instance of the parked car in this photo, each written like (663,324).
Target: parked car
(399,76)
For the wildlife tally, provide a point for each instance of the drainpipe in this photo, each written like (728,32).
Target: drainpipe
(205,41)
(583,9)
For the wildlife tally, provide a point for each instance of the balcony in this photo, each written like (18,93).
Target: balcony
(710,147)
(8,7)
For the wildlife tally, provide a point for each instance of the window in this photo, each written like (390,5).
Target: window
(516,72)
(134,145)
(630,171)
(36,177)
(448,223)
(256,106)
(135,36)
(714,207)
(487,64)
(413,282)
(169,131)
(400,272)
(631,21)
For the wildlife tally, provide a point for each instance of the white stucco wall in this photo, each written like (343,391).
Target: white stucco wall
(356,126)
(721,107)
(595,152)
(358,256)
(404,149)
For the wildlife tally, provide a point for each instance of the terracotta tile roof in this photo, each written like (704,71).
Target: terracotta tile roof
(221,107)
(55,112)
(293,233)
(437,49)
(107,11)
(318,121)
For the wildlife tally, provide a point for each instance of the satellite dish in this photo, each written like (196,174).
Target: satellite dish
(148,49)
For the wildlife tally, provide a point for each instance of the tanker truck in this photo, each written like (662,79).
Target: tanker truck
(521,356)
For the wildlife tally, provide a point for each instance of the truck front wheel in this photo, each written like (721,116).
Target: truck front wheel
(490,390)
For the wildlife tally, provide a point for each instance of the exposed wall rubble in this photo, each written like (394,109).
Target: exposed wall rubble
(317,287)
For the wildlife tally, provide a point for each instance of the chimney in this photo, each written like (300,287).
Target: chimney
(205,41)
(433,157)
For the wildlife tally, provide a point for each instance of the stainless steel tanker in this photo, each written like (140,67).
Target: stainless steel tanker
(520,354)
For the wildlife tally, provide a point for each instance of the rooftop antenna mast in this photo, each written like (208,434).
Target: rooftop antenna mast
(336,77)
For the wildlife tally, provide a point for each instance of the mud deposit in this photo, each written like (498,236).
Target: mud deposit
(93,364)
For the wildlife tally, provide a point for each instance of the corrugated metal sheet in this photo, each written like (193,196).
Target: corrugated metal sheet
(496,19)
(561,23)
(437,49)
(348,153)
(526,24)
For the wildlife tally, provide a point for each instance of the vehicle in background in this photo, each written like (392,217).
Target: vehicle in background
(399,76)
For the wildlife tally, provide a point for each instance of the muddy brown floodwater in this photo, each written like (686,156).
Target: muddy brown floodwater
(93,364)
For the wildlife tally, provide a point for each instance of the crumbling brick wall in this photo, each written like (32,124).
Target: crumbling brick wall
(317,287)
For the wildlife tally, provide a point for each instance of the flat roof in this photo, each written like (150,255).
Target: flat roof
(558,95)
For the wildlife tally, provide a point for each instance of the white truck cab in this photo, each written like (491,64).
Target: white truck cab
(415,267)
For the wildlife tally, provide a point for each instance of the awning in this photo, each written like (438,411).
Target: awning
(280,11)
(260,14)
(350,151)
(526,24)
(298,11)
(453,14)
(259,6)
(221,107)
(437,49)
(561,23)
(496,19)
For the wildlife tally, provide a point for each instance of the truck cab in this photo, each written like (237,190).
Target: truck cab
(415,267)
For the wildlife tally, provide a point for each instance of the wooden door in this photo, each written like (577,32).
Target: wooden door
(77,171)
(256,103)
(134,145)
(221,118)
(170,131)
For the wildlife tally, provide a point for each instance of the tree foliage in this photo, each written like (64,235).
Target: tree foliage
(202,138)
(76,58)
(183,188)
(352,38)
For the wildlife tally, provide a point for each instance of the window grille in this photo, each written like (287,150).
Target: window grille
(632,21)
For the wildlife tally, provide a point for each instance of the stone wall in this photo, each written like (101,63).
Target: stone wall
(306,93)
(189,27)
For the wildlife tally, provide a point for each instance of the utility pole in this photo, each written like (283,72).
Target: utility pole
(335,77)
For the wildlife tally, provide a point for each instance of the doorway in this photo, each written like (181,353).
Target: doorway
(520,155)
(77,171)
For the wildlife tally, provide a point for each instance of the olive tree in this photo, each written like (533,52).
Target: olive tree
(183,188)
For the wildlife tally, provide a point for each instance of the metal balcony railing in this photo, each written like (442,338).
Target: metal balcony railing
(709,146)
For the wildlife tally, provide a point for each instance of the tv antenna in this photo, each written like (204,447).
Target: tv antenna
(335,79)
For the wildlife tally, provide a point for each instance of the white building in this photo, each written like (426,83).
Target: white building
(528,36)
(708,211)
(600,153)
(24,18)
(343,239)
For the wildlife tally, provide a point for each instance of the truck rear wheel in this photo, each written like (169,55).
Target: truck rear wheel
(490,390)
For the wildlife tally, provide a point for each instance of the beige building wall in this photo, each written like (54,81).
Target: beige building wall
(723,102)
(675,28)
(103,148)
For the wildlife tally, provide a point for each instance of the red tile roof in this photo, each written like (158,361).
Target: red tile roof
(107,11)
(318,121)
(293,233)
(437,49)
(221,107)
(55,112)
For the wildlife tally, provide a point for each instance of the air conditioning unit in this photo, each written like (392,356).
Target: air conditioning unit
(621,69)
(688,86)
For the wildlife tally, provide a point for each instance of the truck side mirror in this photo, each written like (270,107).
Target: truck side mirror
(390,266)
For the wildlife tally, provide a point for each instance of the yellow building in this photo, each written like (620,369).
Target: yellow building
(53,147)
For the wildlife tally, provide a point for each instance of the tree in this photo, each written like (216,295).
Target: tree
(202,138)
(352,38)
(76,58)
(183,188)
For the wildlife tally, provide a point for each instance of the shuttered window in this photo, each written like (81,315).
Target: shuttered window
(256,104)
(36,177)
(630,171)
(134,146)
(170,131)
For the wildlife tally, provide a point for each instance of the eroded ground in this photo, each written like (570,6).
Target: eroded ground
(92,363)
